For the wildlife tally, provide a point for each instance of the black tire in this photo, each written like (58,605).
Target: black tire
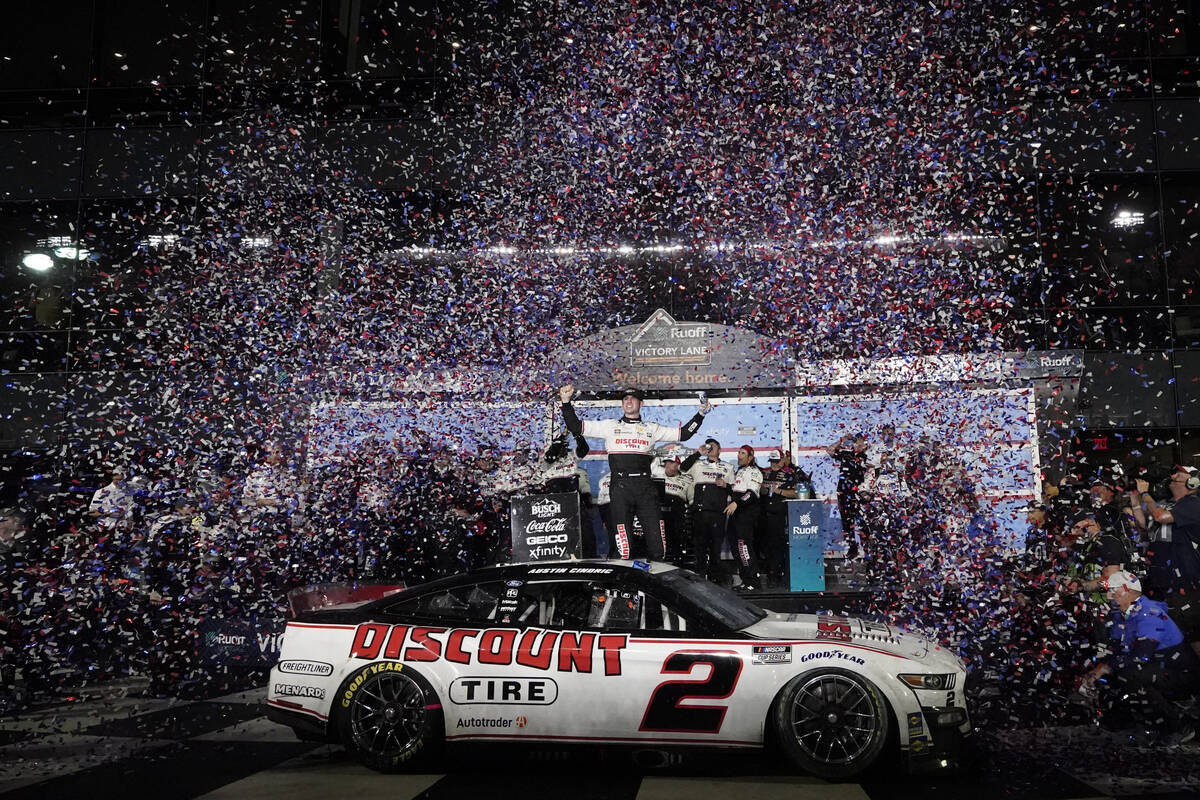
(831,723)
(389,717)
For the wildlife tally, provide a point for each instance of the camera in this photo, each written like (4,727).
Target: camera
(1159,478)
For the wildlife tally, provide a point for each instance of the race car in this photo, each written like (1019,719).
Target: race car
(617,652)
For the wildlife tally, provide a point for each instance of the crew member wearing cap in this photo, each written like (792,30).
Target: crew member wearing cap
(779,486)
(1181,560)
(710,494)
(629,441)
(743,512)
(1149,664)
(676,487)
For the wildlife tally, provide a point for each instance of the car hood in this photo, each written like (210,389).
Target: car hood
(877,635)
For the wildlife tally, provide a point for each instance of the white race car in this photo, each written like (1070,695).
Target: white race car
(612,652)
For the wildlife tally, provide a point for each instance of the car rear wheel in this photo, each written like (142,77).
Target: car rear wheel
(390,717)
(831,723)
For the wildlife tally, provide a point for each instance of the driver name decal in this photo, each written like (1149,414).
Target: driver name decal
(564,651)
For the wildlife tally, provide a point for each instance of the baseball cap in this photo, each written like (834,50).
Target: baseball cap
(633,391)
(1079,515)
(1120,579)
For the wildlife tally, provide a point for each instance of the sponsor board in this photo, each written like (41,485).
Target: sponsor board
(546,527)
(500,691)
(771,654)
(809,530)
(246,642)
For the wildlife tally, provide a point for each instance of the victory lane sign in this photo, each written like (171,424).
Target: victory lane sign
(545,527)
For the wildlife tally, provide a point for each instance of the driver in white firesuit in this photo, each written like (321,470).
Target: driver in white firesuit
(629,441)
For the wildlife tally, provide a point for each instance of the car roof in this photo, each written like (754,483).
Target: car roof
(653,567)
(576,568)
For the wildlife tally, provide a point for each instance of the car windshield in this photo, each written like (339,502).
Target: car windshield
(732,610)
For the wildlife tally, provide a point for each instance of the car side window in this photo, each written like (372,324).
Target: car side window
(562,604)
(475,602)
(632,610)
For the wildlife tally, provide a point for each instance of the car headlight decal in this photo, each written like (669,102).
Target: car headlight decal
(929,681)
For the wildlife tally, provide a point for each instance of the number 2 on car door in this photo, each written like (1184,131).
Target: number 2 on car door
(664,712)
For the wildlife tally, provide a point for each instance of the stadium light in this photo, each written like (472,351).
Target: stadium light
(37,262)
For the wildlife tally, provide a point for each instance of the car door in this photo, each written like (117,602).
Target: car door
(681,680)
(651,679)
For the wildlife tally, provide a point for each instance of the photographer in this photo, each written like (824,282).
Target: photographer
(1117,505)
(1149,667)
(1177,559)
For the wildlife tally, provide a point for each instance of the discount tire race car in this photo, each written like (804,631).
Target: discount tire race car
(612,652)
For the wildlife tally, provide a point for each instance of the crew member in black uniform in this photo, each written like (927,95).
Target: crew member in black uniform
(710,495)
(743,511)
(629,442)
(676,494)
(779,486)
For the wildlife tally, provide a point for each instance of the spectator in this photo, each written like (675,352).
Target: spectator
(113,505)
(271,488)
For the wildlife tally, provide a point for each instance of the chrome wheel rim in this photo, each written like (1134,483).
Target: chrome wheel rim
(834,719)
(388,715)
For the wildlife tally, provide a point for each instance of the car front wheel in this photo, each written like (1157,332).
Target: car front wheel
(389,717)
(831,723)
